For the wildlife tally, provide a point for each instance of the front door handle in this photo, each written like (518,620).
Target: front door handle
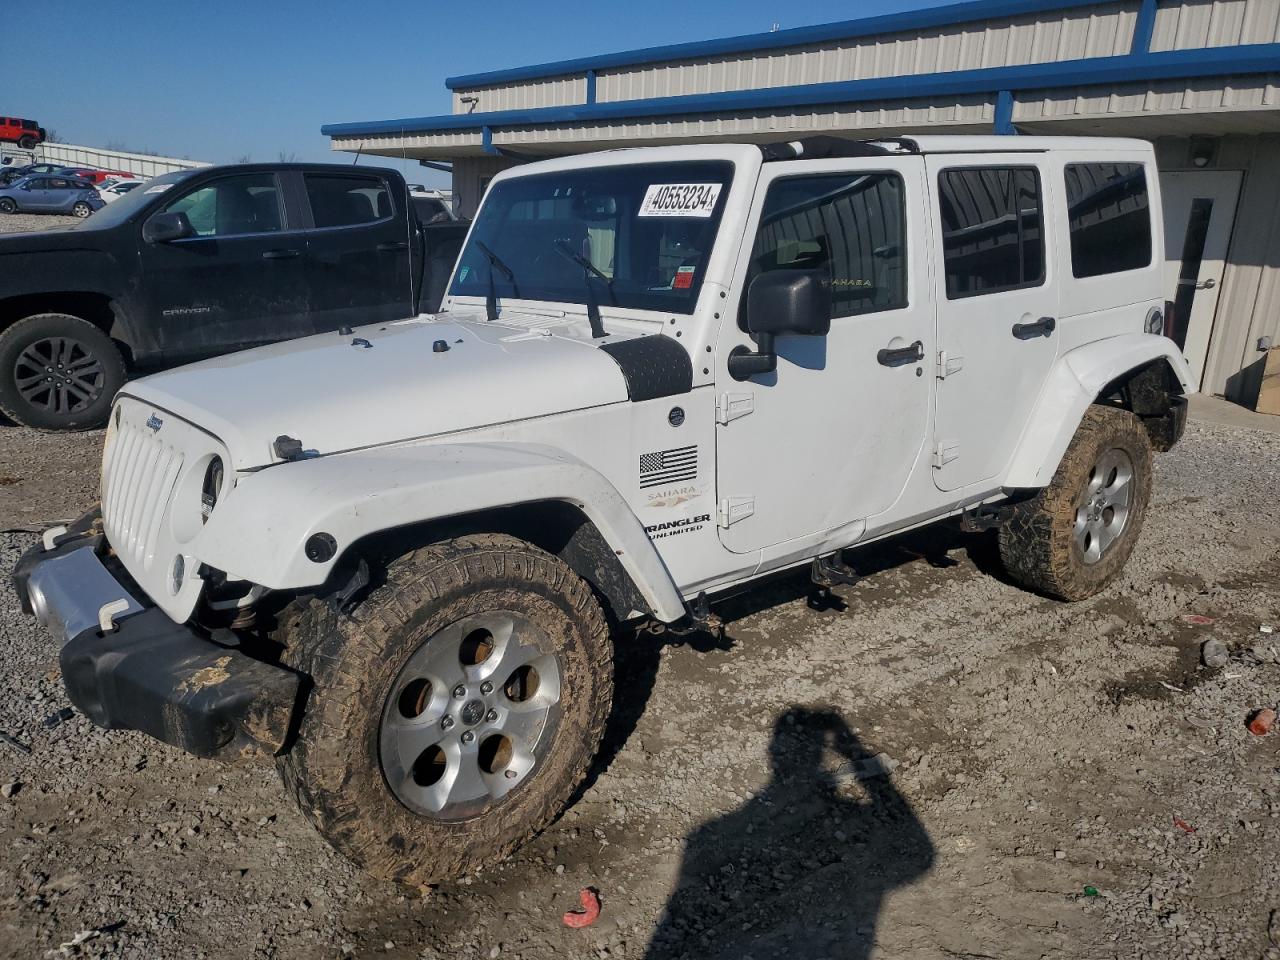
(279,254)
(1199,285)
(393,245)
(901,356)
(1043,327)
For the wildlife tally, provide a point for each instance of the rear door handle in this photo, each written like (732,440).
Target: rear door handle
(901,356)
(393,245)
(1043,327)
(279,254)
(1199,284)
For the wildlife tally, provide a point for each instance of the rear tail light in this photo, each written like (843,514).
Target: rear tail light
(1169,317)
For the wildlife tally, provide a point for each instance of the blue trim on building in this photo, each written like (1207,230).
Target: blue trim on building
(907,20)
(1166,65)
(1003,122)
(486,140)
(1144,27)
(591,86)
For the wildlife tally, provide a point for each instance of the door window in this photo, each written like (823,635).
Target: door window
(232,206)
(853,224)
(992,230)
(1109,216)
(345,201)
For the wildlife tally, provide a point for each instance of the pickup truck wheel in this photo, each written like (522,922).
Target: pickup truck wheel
(58,372)
(454,713)
(1073,538)
(7,205)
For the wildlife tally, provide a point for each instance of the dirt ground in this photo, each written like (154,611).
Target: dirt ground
(1039,752)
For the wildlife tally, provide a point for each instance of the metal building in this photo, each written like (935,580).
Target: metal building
(1201,78)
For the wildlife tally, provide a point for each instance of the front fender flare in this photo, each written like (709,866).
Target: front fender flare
(260,530)
(1077,378)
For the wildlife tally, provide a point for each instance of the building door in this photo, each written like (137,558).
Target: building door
(1199,210)
(830,436)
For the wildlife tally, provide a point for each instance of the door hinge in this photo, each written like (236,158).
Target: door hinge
(733,509)
(731,406)
(948,364)
(944,452)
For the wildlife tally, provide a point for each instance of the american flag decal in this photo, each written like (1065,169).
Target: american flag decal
(668,466)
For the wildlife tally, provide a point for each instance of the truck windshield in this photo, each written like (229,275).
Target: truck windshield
(114,214)
(645,229)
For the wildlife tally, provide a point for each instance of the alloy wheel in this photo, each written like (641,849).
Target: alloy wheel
(58,374)
(1102,511)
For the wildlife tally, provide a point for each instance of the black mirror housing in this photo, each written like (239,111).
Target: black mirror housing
(790,302)
(164,227)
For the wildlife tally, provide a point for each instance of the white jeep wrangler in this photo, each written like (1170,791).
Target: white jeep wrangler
(392,556)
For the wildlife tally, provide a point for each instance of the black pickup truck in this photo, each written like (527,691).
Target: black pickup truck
(203,262)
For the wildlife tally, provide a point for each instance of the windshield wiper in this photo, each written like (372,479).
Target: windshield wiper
(491,300)
(589,269)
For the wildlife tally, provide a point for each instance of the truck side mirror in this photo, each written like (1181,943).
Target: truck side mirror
(164,227)
(782,302)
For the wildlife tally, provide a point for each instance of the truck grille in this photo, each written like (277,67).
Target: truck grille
(137,480)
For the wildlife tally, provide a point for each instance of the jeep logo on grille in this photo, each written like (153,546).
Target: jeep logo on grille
(155,423)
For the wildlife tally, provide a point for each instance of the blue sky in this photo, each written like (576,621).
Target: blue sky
(219,81)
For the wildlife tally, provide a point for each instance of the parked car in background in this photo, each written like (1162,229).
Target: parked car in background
(114,190)
(202,262)
(50,194)
(27,134)
(432,209)
(96,177)
(30,168)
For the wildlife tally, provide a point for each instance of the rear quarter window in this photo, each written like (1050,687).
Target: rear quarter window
(1109,215)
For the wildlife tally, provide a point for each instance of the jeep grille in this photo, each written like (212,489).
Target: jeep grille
(138,474)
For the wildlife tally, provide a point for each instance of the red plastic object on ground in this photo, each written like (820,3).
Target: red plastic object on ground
(1260,723)
(590,910)
(1197,619)
(1183,825)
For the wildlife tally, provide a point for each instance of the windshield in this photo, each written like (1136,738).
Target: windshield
(114,214)
(645,231)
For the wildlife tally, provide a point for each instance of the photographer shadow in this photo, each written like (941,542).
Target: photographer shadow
(801,870)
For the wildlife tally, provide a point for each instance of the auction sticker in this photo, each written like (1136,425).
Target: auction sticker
(683,278)
(680,200)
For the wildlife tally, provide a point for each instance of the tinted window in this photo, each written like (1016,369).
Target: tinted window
(231,206)
(643,231)
(992,235)
(852,224)
(1110,218)
(343,201)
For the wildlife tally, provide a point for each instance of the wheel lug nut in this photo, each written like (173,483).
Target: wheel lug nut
(491,716)
(468,737)
(486,687)
(446,723)
(459,691)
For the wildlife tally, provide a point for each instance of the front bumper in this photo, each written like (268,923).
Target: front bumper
(146,672)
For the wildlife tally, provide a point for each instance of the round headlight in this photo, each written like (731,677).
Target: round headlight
(210,488)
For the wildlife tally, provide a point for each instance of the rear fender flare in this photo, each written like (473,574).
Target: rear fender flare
(260,530)
(1076,381)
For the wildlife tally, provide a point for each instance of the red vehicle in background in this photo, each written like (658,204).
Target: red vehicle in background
(25,133)
(96,177)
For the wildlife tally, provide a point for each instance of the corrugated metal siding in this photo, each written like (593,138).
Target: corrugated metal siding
(1165,97)
(1104,30)
(469,178)
(1215,23)
(552,92)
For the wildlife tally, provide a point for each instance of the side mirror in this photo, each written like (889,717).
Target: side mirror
(782,302)
(164,227)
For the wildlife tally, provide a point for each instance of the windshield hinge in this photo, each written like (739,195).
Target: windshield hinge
(944,452)
(733,509)
(731,406)
(948,364)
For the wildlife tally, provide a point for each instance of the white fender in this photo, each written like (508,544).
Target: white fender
(1074,383)
(270,515)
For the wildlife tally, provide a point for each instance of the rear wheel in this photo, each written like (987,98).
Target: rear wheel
(1076,535)
(58,372)
(7,205)
(81,209)
(28,142)
(455,713)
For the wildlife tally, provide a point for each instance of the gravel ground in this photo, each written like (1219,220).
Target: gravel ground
(18,222)
(1040,751)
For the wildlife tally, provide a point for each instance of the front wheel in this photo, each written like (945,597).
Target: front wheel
(7,205)
(81,209)
(1075,536)
(455,713)
(28,142)
(58,372)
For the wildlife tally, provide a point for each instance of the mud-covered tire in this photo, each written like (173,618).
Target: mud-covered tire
(93,364)
(334,768)
(1042,542)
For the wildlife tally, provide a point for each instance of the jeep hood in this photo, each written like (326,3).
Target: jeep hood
(383,383)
